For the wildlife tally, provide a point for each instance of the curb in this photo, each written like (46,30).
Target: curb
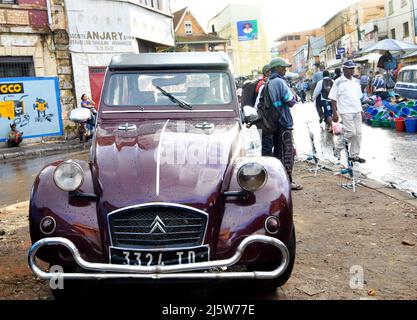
(41,151)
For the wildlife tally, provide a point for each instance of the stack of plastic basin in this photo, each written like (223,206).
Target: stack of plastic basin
(375,123)
(411,104)
(385,123)
(411,125)
(400,124)
(372,112)
(405,112)
(379,115)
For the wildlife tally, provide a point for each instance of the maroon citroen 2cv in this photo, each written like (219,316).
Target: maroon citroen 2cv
(175,187)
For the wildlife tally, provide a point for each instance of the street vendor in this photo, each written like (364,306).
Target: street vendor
(15,137)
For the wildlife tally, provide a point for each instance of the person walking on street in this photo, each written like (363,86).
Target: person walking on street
(337,74)
(323,90)
(301,90)
(317,77)
(379,87)
(266,73)
(364,81)
(346,96)
(282,98)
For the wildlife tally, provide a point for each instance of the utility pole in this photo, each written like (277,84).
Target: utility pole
(358,28)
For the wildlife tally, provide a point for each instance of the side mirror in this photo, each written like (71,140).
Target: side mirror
(80,115)
(249,114)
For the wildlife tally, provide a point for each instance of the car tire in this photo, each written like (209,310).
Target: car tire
(273,284)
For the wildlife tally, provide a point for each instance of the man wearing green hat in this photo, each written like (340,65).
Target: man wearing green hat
(282,98)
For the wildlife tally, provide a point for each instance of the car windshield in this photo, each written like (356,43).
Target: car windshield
(134,89)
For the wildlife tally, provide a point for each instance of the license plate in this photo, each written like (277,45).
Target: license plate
(162,258)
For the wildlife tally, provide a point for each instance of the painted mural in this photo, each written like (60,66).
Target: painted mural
(33,104)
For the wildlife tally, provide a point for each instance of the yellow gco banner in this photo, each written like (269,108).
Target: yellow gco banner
(11,88)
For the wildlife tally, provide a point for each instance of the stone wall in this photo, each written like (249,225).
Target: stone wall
(63,59)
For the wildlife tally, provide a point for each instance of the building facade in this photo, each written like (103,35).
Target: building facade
(34,51)
(343,33)
(288,44)
(248,46)
(400,21)
(316,47)
(372,32)
(135,26)
(300,60)
(190,36)
(57,50)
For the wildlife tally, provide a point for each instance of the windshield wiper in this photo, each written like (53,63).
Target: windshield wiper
(181,103)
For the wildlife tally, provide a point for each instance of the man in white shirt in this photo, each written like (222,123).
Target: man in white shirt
(346,96)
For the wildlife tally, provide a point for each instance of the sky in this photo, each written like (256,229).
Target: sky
(280,16)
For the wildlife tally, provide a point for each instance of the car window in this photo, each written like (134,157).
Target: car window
(134,89)
(407,76)
(414,76)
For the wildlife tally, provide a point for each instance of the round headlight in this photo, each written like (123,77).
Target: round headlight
(252,177)
(69,176)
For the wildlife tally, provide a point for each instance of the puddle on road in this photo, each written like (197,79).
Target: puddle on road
(17,177)
(391,156)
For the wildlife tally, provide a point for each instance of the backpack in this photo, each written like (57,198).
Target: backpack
(268,115)
(327,87)
(249,94)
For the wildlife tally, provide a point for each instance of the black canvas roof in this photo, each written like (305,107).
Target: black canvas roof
(178,60)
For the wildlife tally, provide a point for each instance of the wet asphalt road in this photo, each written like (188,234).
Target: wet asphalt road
(391,156)
(17,177)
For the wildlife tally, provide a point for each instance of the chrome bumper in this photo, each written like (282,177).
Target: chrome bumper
(112,271)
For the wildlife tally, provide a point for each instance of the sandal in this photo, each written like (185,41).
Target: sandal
(296,187)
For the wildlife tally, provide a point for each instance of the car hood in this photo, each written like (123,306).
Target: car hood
(163,161)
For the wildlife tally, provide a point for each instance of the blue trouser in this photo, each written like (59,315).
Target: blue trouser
(327,106)
(91,123)
(319,107)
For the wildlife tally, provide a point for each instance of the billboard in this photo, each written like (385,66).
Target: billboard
(247,30)
(33,104)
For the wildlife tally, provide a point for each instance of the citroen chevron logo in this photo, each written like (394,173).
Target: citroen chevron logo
(157,224)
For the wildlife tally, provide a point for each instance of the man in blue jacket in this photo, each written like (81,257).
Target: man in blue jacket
(282,98)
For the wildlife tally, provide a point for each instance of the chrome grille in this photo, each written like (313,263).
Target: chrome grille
(157,226)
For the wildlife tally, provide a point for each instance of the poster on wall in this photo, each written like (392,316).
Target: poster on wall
(33,104)
(247,30)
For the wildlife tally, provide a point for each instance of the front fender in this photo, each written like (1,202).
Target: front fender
(76,219)
(246,216)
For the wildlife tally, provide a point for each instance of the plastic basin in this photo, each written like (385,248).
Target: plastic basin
(410,125)
(405,112)
(379,115)
(400,124)
(386,123)
(375,123)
